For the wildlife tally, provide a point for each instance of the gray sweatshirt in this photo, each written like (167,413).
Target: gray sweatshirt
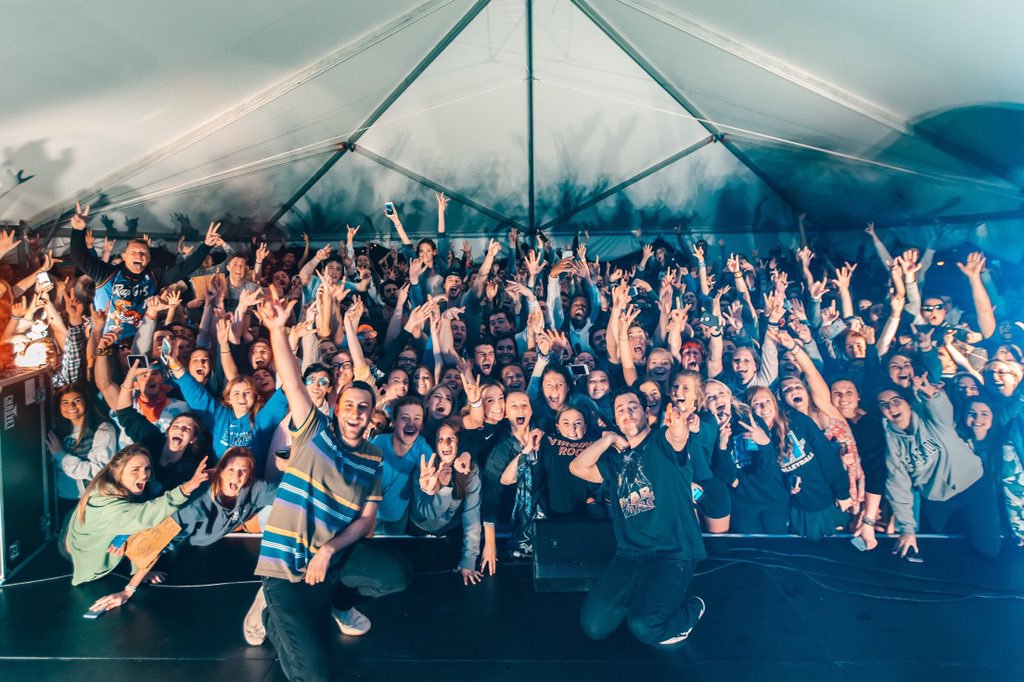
(931,458)
(436,512)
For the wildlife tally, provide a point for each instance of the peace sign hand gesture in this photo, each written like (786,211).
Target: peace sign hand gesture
(428,474)
(212,238)
(81,216)
(754,431)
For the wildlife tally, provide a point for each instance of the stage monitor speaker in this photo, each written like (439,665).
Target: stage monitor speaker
(568,554)
(27,497)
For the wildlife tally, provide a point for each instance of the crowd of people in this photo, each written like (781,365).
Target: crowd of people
(325,396)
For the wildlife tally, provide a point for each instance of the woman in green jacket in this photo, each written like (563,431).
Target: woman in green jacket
(115,504)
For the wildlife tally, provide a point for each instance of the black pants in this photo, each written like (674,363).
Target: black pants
(298,616)
(649,594)
(749,520)
(976,508)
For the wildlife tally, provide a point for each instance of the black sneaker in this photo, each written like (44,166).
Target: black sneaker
(697,603)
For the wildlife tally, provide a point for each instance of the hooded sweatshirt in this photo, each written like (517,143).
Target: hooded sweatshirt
(107,516)
(930,458)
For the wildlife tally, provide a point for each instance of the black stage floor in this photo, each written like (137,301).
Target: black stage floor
(778,609)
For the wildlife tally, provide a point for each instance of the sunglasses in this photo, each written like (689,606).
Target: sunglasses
(930,308)
(319,381)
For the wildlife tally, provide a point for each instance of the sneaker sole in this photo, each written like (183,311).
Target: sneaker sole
(348,630)
(685,635)
(255,634)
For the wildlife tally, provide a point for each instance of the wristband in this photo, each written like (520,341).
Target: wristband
(127,388)
(868,521)
(477,403)
(129,588)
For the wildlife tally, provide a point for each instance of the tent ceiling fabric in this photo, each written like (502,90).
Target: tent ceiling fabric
(896,112)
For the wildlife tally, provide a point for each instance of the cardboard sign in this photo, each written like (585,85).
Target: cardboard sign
(144,548)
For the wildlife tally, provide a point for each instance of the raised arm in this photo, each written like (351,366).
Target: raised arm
(584,465)
(275,314)
(843,277)
(397,222)
(883,252)
(982,303)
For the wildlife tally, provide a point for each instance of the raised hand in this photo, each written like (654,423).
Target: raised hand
(7,241)
(805,255)
(493,248)
(249,297)
(844,274)
(817,289)
(416,268)
(273,313)
(428,474)
(442,202)
(463,464)
(81,216)
(829,315)
(975,265)
(224,332)
(909,262)
(534,263)
(200,476)
(262,252)
(213,237)
(471,386)
(323,253)
(754,431)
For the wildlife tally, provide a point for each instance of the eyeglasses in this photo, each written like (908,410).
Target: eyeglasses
(895,401)
(319,381)
(930,308)
(341,365)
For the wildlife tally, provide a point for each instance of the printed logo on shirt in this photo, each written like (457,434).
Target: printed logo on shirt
(636,495)
(798,456)
(920,456)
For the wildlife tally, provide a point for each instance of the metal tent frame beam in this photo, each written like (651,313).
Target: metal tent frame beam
(239,111)
(437,187)
(663,82)
(611,191)
(392,97)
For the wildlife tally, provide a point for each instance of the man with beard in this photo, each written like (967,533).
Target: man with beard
(402,450)
(657,535)
(311,555)
(122,289)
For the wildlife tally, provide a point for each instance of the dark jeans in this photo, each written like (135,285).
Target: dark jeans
(298,616)
(759,520)
(977,509)
(649,594)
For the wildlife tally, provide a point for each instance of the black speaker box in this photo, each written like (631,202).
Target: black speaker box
(569,554)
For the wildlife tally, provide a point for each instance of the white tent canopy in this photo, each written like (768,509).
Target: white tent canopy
(724,115)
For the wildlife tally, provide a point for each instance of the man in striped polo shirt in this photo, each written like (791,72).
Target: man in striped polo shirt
(311,559)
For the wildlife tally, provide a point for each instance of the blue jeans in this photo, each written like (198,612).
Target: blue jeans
(298,616)
(649,594)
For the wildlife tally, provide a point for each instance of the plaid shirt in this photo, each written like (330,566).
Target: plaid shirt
(71,363)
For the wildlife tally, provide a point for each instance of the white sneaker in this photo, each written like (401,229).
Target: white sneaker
(351,622)
(697,603)
(252,626)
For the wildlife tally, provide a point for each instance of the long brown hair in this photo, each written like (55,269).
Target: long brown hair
(108,480)
(780,429)
(234,452)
